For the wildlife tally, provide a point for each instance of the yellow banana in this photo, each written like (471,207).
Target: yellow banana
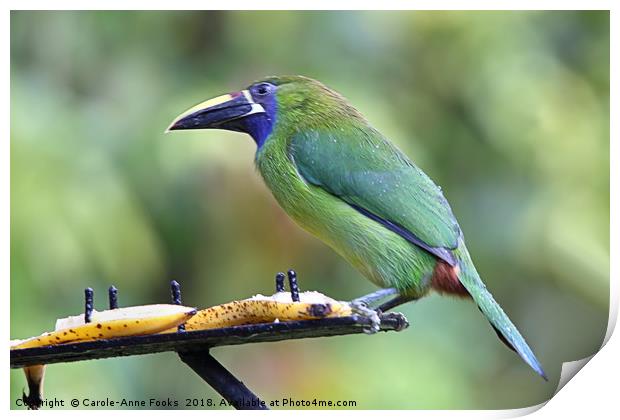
(259,309)
(122,322)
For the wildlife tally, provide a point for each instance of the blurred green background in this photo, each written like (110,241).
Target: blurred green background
(507,111)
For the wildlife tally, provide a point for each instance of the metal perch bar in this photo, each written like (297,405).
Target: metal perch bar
(220,379)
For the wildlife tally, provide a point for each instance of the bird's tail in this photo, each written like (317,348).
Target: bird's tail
(504,328)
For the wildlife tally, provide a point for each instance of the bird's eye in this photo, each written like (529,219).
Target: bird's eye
(263,89)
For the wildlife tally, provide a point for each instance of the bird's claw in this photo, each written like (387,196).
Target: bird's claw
(360,307)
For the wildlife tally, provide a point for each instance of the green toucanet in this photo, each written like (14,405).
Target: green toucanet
(345,183)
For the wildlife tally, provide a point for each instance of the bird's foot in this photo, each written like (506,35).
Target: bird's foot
(401,321)
(360,307)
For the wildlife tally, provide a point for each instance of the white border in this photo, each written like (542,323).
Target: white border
(311,5)
(592,393)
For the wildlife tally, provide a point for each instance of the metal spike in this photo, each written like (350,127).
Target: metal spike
(175,288)
(279,282)
(88,304)
(292,281)
(113,297)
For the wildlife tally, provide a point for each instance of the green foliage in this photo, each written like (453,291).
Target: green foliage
(507,111)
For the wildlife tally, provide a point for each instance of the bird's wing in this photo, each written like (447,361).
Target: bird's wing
(369,173)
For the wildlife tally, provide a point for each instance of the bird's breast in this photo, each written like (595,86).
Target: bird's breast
(381,255)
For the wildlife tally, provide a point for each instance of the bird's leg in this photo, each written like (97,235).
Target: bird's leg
(373,297)
(361,306)
(394,302)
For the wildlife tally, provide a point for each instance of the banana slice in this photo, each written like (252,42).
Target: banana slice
(122,322)
(259,309)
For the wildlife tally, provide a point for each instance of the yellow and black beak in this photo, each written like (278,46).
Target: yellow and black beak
(216,112)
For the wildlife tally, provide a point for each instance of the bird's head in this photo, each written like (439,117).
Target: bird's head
(288,102)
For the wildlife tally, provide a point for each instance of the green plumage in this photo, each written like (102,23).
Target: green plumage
(329,169)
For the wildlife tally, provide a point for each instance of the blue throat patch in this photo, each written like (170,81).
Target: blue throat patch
(260,126)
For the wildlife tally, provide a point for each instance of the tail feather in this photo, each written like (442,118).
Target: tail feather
(501,336)
(503,339)
(500,322)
